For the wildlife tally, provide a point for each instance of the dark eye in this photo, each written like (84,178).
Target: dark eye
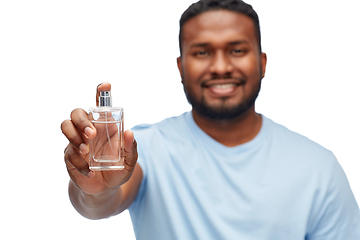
(237,51)
(202,53)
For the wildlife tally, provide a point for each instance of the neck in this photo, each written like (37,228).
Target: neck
(231,132)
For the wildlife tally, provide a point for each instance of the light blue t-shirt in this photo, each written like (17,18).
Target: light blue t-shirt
(278,186)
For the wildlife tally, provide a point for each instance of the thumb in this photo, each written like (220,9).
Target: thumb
(130,149)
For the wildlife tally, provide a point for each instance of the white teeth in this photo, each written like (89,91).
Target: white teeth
(228,85)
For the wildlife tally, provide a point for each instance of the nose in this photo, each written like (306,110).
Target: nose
(221,65)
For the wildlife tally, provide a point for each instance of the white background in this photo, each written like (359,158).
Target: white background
(53,54)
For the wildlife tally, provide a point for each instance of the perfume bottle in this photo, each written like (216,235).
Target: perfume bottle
(106,150)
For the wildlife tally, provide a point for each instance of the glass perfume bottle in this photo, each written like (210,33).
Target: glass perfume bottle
(106,150)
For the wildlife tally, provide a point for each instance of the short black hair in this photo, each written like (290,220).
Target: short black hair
(231,5)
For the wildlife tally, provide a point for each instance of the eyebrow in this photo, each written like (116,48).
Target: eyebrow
(230,43)
(199,45)
(238,42)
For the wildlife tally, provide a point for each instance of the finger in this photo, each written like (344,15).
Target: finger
(74,137)
(130,149)
(75,161)
(100,88)
(81,121)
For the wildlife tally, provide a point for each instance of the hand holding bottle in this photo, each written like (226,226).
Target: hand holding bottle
(80,131)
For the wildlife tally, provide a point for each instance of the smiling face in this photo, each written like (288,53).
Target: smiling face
(221,64)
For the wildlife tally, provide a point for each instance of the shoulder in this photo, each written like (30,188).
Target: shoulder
(294,143)
(300,155)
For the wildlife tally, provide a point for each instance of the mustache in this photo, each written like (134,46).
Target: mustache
(237,80)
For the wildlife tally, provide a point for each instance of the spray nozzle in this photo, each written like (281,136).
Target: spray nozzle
(105,99)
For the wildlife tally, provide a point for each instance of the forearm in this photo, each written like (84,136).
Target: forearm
(95,206)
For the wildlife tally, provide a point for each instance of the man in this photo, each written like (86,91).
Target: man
(221,171)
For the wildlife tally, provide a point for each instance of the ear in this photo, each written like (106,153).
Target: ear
(263,63)
(179,64)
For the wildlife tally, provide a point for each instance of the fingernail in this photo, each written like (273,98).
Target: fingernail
(91,174)
(88,132)
(84,149)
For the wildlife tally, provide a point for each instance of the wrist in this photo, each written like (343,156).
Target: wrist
(95,206)
(98,199)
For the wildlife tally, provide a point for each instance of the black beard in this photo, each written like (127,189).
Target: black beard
(222,112)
